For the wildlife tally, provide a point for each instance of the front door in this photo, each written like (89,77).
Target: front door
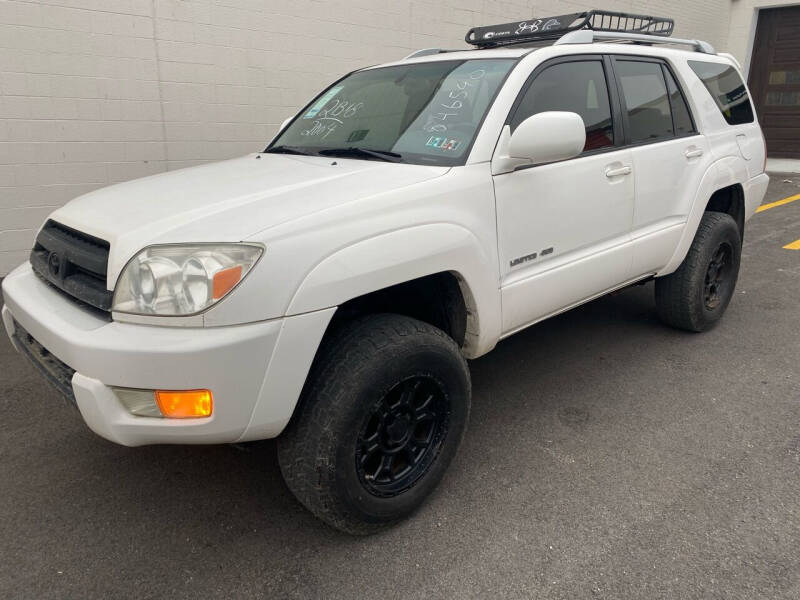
(775,79)
(564,228)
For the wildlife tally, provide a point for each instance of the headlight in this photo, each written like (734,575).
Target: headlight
(175,280)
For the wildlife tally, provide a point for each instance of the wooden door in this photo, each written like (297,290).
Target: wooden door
(775,79)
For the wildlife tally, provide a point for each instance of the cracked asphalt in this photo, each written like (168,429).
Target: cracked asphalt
(607,457)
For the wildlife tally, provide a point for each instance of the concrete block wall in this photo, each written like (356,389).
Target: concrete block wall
(94,92)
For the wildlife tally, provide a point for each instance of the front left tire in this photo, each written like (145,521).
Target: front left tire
(382,416)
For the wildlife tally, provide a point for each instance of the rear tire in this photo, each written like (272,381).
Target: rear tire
(696,295)
(382,415)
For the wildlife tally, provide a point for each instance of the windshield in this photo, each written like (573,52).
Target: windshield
(424,113)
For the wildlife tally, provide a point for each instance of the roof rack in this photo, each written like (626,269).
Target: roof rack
(585,36)
(550,28)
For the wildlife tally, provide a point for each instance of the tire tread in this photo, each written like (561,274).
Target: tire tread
(310,435)
(675,293)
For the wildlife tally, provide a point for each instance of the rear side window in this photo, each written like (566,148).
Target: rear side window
(645,94)
(579,87)
(727,89)
(680,112)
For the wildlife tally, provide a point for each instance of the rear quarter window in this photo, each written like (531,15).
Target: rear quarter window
(727,89)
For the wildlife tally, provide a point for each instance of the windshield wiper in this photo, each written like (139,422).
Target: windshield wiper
(362,153)
(290,150)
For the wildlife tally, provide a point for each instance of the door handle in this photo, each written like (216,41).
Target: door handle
(693,153)
(617,171)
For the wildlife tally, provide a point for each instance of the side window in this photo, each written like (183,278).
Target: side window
(578,87)
(727,89)
(680,111)
(645,94)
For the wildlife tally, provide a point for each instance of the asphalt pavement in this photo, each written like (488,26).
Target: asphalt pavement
(608,456)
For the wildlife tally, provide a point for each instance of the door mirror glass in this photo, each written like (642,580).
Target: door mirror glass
(548,137)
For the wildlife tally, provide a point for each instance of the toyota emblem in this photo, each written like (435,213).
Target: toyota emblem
(54,264)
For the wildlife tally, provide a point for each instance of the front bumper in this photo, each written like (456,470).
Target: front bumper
(255,371)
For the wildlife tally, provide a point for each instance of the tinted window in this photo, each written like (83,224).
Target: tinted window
(646,100)
(680,112)
(578,87)
(727,89)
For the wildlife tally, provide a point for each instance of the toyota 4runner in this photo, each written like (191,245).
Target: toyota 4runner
(328,290)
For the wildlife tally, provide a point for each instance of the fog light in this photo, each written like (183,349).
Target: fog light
(184,404)
(141,403)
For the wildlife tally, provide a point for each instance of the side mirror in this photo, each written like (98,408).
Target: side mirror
(285,123)
(548,137)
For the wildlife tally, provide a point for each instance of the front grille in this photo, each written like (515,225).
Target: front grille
(58,374)
(74,262)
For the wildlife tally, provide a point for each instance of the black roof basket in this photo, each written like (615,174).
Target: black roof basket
(550,28)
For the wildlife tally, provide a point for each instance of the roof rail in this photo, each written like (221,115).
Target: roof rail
(731,58)
(587,36)
(425,52)
(550,28)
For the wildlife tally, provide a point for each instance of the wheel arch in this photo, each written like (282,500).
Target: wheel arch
(407,270)
(441,299)
(729,200)
(720,190)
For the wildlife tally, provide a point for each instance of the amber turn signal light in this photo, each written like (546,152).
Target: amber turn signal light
(225,280)
(184,404)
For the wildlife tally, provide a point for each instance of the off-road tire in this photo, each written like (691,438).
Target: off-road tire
(691,298)
(365,361)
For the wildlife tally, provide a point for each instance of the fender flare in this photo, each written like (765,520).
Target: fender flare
(720,174)
(405,254)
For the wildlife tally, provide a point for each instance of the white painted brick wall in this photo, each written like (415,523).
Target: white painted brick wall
(94,92)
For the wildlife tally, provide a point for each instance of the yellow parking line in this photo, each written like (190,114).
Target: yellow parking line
(793,246)
(778,203)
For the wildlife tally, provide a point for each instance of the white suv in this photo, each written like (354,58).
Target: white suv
(329,289)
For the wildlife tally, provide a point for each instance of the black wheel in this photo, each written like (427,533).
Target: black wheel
(381,417)
(696,295)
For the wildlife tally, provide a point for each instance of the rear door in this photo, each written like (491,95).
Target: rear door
(668,156)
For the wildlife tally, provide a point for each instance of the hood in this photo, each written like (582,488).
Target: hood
(228,201)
